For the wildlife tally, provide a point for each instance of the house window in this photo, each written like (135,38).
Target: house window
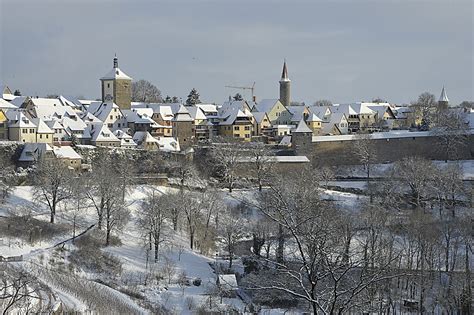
(236,128)
(41,136)
(32,131)
(110,125)
(25,131)
(108,85)
(247,127)
(247,136)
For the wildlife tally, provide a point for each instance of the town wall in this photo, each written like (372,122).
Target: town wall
(387,150)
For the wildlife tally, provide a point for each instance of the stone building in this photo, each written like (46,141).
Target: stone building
(183,127)
(117,87)
(285,85)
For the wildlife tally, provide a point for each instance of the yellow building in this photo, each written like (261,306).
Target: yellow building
(262,124)
(44,134)
(21,128)
(314,123)
(237,124)
(3,126)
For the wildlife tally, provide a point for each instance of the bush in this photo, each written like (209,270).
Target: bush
(30,229)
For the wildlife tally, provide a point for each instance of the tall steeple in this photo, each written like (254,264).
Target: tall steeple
(285,86)
(284,73)
(443,99)
(115,62)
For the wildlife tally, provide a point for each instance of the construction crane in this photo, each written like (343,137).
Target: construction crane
(251,88)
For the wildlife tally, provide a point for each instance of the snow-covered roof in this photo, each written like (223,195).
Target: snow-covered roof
(297,112)
(33,151)
(100,132)
(266,105)
(443,97)
(182,115)
(89,117)
(207,108)
(18,101)
(285,141)
(313,117)
(6,105)
(168,144)
(144,137)
(302,127)
(227,282)
(54,124)
(259,116)
(139,115)
(233,114)
(66,152)
(381,109)
(358,108)
(102,110)
(196,113)
(42,127)
(116,73)
(19,120)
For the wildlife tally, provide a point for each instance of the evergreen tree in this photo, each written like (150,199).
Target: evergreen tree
(193,98)
(168,99)
(238,97)
(175,99)
(17,92)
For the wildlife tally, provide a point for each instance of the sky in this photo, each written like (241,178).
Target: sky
(341,50)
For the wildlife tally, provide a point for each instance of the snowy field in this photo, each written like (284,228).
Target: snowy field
(41,258)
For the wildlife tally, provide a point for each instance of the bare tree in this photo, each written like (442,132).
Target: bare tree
(424,109)
(318,269)
(261,163)
(322,103)
(77,188)
(16,287)
(231,230)
(365,150)
(227,157)
(168,268)
(51,184)
(416,174)
(192,210)
(144,91)
(151,218)
(451,131)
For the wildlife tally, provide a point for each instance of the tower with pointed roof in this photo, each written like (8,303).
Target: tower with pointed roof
(117,87)
(285,85)
(443,99)
(183,127)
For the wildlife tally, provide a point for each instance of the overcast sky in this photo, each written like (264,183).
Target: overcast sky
(344,51)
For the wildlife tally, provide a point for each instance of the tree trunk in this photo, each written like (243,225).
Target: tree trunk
(281,244)
(156,249)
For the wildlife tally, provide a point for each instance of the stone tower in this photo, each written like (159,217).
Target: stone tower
(117,87)
(285,87)
(183,128)
(443,100)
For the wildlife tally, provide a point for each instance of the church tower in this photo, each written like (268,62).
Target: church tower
(285,87)
(117,87)
(443,100)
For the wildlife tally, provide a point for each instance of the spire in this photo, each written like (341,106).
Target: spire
(284,73)
(115,62)
(443,97)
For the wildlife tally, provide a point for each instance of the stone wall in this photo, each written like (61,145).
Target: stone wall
(123,93)
(388,150)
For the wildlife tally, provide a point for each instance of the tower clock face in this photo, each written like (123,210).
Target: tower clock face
(108,97)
